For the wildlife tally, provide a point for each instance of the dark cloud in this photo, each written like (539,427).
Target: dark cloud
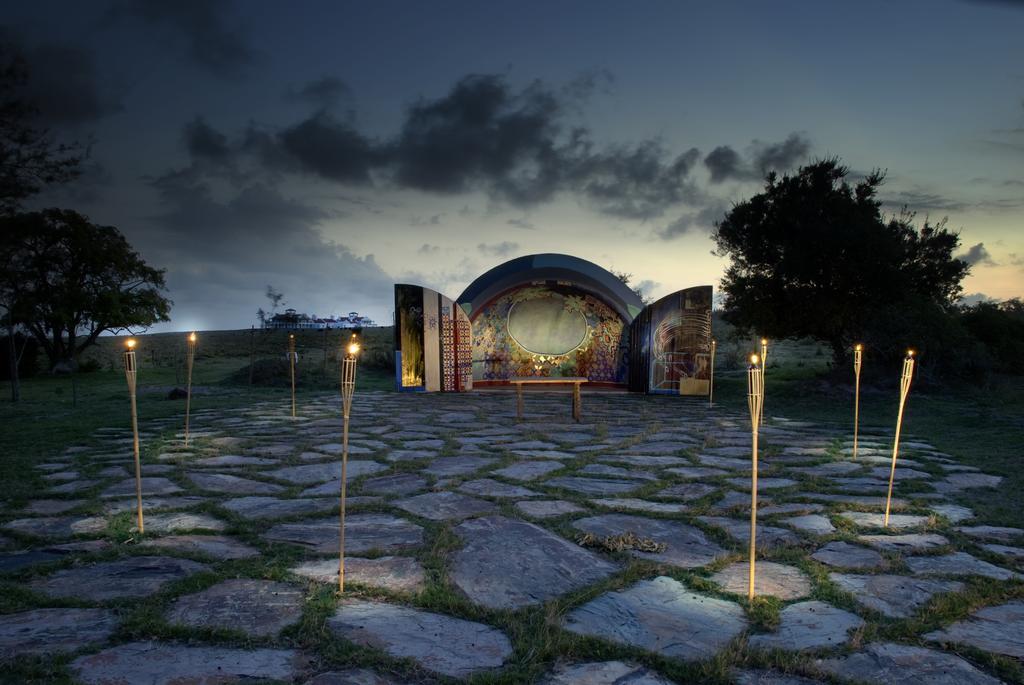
(521,223)
(482,134)
(518,147)
(61,81)
(636,182)
(326,92)
(210,40)
(780,156)
(700,221)
(427,249)
(977,255)
(725,164)
(205,143)
(329,148)
(502,249)
(923,200)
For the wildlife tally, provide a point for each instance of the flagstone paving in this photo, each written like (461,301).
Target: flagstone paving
(438,643)
(508,564)
(257,608)
(463,523)
(661,616)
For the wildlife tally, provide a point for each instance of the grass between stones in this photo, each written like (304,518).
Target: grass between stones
(977,430)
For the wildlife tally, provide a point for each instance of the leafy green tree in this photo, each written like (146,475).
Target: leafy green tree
(69,280)
(813,256)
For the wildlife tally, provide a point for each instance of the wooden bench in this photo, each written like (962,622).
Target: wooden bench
(573,381)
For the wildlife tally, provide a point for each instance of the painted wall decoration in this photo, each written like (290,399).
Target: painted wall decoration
(671,350)
(549,330)
(432,342)
(552,315)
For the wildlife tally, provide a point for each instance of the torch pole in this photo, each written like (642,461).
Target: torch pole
(130,373)
(905,378)
(764,368)
(755,402)
(348,389)
(291,367)
(190,356)
(711,376)
(857,356)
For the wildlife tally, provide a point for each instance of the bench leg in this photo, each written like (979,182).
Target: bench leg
(576,402)
(519,401)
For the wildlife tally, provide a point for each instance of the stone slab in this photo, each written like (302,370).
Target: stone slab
(841,554)
(593,486)
(259,507)
(398,484)
(508,564)
(541,509)
(363,532)
(150,486)
(131,577)
(896,664)
(777,580)
(809,625)
(528,470)
(893,596)
(489,487)
(767,536)
(998,629)
(44,632)
(957,564)
(218,547)
(660,615)
(232,485)
(686,546)
(603,673)
(442,644)
(310,474)
(815,524)
(156,663)
(444,467)
(398,574)
(445,506)
(258,608)
(909,542)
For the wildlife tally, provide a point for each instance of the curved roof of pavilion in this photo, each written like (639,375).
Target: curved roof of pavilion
(522,271)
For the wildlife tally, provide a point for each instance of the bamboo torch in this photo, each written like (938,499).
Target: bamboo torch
(348,389)
(291,367)
(755,402)
(190,357)
(711,377)
(905,378)
(764,367)
(858,352)
(130,370)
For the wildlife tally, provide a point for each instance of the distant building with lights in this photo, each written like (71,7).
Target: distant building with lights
(293,320)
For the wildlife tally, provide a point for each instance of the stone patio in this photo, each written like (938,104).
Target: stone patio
(462,523)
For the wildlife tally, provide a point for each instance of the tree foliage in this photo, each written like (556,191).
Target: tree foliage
(30,158)
(67,280)
(812,255)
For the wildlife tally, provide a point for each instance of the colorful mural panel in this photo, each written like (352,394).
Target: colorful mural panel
(549,329)
(672,344)
(432,342)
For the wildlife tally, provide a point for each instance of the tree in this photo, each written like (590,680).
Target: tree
(30,159)
(813,256)
(626,279)
(72,280)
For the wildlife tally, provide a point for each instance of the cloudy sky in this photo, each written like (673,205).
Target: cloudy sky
(330,149)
